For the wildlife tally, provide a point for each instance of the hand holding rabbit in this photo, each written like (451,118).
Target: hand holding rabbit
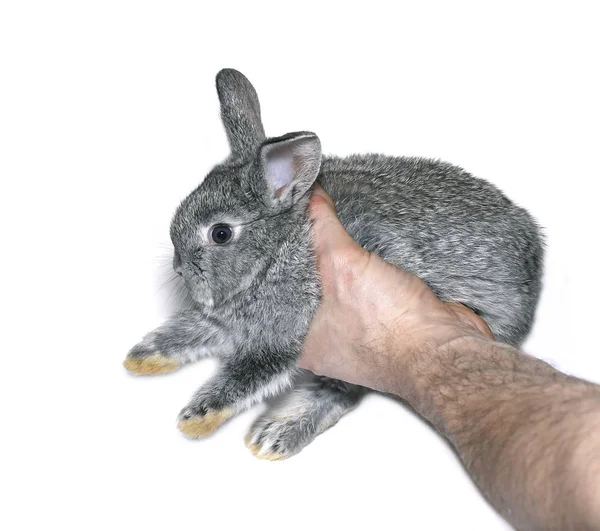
(361,334)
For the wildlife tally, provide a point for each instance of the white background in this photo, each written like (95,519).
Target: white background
(108,118)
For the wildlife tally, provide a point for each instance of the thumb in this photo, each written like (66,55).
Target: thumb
(329,233)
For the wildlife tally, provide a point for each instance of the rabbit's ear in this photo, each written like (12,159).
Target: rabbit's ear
(240,112)
(290,165)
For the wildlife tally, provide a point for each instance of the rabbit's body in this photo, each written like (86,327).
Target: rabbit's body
(459,234)
(243,247)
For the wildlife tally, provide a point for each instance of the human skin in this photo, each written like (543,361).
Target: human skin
(528,434)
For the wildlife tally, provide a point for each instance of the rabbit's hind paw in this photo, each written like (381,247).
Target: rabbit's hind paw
(275,439)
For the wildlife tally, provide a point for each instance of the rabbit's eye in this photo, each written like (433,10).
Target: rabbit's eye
(221,234)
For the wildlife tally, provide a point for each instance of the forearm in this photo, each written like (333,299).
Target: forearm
(528,434)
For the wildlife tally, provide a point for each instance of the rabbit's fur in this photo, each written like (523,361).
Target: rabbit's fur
(255,295)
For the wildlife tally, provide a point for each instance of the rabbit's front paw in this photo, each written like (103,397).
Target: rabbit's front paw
(197,420)
(144,360)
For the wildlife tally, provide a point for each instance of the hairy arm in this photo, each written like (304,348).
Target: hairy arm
(528,434)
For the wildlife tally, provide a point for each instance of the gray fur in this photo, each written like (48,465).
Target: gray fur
(256,295)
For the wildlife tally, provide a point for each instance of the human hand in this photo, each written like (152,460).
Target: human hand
(374,317)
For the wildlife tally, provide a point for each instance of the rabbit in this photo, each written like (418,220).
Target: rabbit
(243,248)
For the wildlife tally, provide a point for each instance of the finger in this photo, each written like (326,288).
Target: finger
(467,314)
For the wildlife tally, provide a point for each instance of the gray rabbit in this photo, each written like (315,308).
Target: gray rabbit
(242,244)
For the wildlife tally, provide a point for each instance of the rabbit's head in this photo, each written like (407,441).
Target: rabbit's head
(230,229)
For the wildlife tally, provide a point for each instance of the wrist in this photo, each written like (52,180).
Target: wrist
(431,371)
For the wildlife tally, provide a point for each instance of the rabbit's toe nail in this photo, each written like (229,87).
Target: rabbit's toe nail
(197,426)
(265,448)
(153,364)
(263,453)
